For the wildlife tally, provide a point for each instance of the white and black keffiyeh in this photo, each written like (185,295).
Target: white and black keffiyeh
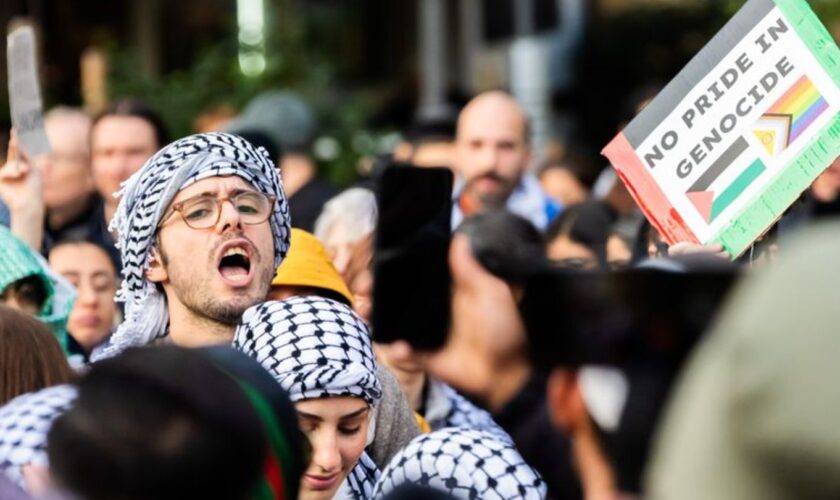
(360,481)
(445,407)
(315,348)
(465,463)
(24,424)
(145,197)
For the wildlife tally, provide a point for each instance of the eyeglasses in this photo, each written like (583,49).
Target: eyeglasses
(203,211)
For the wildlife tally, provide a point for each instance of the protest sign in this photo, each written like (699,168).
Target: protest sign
(24,92)
(733,140)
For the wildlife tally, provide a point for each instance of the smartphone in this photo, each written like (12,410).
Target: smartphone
(411,278)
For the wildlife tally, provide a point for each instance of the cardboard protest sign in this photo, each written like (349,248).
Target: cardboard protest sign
(24,92)
(743,129)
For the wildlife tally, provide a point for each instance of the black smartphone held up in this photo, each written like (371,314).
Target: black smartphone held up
(411,278)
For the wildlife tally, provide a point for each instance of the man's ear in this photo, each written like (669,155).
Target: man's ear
(156,273)
(564,400)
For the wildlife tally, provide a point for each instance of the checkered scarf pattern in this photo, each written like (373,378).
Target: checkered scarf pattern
(360,481)
(24,424)
(145,197)
(445,407)
(315,348)
(465,463)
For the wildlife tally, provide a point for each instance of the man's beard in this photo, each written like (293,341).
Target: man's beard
(227,312)
(491,199)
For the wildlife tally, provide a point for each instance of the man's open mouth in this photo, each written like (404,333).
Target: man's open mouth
(235,264)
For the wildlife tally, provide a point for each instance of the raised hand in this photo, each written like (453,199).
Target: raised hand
(20,189)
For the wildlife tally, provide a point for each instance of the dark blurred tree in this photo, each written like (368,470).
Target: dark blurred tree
(296,59)
(628,53)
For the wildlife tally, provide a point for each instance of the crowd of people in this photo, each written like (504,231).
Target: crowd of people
(176,321)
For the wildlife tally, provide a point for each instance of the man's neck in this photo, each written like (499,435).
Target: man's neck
(59,217)
(509,381)
(595,472)
(412,385)
(296,170)
(189,330)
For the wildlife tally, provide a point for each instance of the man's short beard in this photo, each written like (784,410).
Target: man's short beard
(213,310)
(218,312)
(496,199)
(227,313)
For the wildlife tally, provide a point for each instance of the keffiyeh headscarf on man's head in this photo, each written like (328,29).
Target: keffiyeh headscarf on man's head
(465,463)
(24,424)
(313,346)
(144,199)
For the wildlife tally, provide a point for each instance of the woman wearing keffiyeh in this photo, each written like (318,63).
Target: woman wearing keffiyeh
(320,351)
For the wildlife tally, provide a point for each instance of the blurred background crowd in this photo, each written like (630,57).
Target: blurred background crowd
(464,301)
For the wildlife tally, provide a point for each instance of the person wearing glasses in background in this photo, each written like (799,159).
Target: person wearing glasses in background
(202,227)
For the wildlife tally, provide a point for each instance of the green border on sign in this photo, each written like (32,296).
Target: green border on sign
(812,32)
(782,191)
(797,175)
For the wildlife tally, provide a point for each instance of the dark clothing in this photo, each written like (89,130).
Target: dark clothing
(306,204)
(543,446)
(90,225)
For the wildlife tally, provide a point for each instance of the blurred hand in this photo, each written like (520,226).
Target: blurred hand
(21,191)
(688,248)
(20,182)
(826,187)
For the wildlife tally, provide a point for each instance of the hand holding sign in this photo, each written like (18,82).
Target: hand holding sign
(24,92)
(20,189)
(743,129)
(20,182)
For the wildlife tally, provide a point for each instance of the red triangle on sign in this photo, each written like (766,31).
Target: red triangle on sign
(702,200)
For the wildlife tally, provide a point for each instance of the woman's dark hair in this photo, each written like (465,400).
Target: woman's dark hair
(29,291)
(158,423)
(30,356)
(586,223)
(110,251)
(505,244)
(137,109)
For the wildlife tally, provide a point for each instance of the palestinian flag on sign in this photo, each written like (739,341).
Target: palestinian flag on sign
(733,140)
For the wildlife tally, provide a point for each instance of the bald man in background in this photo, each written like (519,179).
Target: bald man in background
(491,155)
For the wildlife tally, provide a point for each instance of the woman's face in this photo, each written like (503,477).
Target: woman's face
(337,430)
(90,270)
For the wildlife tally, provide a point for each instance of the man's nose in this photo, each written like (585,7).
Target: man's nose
(488,158)
(229,217)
